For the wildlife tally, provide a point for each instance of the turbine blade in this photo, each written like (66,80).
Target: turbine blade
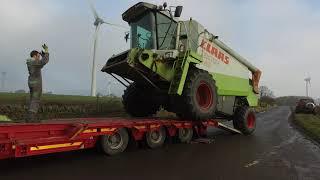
(116,25)
(93,9)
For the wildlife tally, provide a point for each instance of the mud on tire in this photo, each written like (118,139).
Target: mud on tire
(199,98)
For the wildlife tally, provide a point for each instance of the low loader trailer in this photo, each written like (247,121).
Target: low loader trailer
(111,135)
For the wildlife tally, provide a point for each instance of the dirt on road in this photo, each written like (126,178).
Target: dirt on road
(276,151)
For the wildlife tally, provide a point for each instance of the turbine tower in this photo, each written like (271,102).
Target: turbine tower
(308,84)
(97,23)
(3,80)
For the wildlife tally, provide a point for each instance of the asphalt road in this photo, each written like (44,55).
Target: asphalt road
(276,151)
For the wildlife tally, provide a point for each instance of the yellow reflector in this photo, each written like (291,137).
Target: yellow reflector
(90,131)
(55,146)
(108,129)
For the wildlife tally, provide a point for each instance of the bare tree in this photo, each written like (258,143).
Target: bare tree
(265,91)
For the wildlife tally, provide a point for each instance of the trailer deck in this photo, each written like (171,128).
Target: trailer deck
(21,139)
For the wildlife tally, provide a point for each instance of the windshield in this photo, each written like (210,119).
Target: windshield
(147,34)
(142,32)
(166,29)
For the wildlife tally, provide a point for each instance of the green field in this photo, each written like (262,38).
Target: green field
(61,106)
(13,98)
(15,107)
(310,124)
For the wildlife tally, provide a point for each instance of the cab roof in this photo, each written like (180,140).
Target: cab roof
(137,10)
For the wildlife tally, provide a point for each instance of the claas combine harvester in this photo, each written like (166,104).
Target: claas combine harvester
(180,66)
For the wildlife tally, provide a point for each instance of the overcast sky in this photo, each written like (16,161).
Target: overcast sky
(282,38)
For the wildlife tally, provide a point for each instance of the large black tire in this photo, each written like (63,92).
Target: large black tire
(245,120)
(138,102)
(116,143)
(199,97)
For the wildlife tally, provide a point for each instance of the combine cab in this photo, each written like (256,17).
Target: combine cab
(182,67)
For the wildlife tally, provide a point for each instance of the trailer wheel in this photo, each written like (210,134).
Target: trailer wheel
(185,135)
(245,120)
(115,143)
(199,97)
(138,102)
(156,138)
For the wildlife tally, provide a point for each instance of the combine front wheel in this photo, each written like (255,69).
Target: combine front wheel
(138,102)
(199,98)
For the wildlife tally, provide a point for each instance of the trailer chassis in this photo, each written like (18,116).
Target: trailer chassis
(22,140)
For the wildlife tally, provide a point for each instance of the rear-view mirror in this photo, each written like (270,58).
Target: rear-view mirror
(178,11)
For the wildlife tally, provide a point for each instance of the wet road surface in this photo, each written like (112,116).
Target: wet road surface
(276,151)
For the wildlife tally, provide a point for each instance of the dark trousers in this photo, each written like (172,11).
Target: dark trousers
(35,97)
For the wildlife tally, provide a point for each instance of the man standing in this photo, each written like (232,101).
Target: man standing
(35,64)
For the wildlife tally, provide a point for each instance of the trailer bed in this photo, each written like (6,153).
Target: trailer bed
(21,139)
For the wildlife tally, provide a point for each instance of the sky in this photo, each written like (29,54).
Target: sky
(280,37)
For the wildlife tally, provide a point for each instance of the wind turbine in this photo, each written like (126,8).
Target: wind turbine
(308,83)
(109,86)
(97,23)
(3,80)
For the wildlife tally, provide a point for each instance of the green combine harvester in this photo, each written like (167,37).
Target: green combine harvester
(180,66)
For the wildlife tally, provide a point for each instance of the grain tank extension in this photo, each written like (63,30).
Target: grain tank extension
(182,67)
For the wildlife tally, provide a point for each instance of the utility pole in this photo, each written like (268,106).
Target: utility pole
(3,80)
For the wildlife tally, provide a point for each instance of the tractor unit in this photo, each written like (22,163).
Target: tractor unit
(180,66)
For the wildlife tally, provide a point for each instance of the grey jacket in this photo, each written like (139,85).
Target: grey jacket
(34,68)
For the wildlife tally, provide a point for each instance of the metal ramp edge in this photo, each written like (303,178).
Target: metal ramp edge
(228,128)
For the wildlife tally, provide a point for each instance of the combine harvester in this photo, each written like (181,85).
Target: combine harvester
(173,64)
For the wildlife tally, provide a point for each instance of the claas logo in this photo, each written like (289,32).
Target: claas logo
(218,54)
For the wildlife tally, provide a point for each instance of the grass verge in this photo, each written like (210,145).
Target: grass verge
(310,124)
(4,119)
(260,109)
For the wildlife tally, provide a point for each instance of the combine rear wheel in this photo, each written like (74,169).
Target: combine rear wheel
(245,120)
(199,98)
(138,102)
